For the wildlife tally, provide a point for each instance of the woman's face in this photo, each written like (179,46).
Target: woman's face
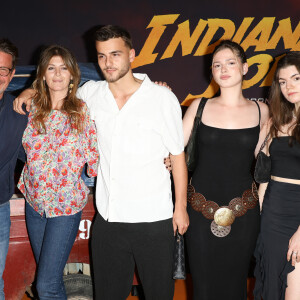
(57,75)
(227,69)
(289,81)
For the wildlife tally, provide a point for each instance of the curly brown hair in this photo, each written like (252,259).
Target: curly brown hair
(281,110)
(72,105)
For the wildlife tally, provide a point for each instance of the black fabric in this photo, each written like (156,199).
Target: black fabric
(219,266)
(117,247)
(262,172)
(259,112)
(280,219)
(179,258)
(12,126)
(191,148)
(285,158)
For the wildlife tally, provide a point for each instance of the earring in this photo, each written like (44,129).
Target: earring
(71,85)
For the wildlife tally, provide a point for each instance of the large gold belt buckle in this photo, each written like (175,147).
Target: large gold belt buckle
(224,216)
(221,225)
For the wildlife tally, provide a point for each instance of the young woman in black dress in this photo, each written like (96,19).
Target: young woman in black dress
(278,249)
(228,132)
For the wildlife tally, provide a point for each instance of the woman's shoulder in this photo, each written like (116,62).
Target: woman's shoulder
(193,107)
(195,103)
(265,115)
(264,108)
(85,111)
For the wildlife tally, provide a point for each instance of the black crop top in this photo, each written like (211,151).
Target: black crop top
(285,159)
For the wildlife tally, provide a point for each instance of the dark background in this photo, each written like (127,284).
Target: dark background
(33,24)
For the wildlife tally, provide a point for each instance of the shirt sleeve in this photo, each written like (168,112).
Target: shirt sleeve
(84,92)
(90,144)
(171,126)
(80,93)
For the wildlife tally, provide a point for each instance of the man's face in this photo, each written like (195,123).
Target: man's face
(114,58)
(5,62)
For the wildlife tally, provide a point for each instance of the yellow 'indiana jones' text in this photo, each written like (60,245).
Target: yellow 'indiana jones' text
(259,37)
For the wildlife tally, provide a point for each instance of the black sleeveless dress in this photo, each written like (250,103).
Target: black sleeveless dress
(219,265)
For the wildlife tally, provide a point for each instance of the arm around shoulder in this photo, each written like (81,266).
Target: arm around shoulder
(25,97)
(86,91)
(264,109)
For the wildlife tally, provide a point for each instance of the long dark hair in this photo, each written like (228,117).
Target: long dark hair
(72,106)
(281,110)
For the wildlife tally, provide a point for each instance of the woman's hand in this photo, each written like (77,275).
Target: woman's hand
(168,163)
(294,248)
(162,83)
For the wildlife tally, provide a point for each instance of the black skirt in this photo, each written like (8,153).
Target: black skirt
(280,219)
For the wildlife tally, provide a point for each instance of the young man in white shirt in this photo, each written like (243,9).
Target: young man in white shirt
(138,124)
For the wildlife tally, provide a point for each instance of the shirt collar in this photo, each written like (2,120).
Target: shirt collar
(141,76)
(146,83)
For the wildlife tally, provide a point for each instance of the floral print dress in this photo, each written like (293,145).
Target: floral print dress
(51,179)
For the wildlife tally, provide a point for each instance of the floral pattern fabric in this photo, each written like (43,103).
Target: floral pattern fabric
(51,179)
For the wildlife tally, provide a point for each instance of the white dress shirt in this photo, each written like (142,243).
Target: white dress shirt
(133,184)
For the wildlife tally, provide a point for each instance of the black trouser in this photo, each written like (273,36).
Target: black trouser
(117,247)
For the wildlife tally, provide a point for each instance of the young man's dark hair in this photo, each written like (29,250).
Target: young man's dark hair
(108,32)
(8,47)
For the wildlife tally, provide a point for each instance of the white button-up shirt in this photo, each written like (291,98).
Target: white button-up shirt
(133,184)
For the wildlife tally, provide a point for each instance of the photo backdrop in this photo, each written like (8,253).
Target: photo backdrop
(173,39)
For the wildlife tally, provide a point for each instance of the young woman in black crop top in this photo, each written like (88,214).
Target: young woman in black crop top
(226,138)
(278,247)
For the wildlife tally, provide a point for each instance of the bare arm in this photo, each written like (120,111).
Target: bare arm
(262,136)
(180,216)
(261,193)
(264,109)
(25,97)
(188,120)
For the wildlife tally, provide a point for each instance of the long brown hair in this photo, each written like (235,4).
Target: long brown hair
(281,110)
(72,106)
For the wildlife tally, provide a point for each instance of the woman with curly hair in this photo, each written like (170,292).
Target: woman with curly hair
(59,139)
